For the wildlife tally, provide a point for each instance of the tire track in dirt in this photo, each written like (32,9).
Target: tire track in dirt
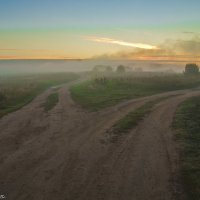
(58,155)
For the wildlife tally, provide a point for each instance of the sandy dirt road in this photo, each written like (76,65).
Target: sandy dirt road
(63,154)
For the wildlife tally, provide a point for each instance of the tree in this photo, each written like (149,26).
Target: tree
(120,69)
(102,68)
(109,69)
(191,69)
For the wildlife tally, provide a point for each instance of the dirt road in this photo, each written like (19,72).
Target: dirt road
(64,155)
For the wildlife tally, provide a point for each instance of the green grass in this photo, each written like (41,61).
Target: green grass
(51,101)
(17,91)
(187,125)
(99,92)
(132,119)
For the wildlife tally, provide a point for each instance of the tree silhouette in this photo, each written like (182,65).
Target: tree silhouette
(191,69)
(109,69)
(121,69)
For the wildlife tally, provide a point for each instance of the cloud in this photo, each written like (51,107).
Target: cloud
(170,49)
(188,32)
(120,42)
(191,47)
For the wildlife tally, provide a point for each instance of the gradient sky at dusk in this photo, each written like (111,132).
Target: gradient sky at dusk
(89,28)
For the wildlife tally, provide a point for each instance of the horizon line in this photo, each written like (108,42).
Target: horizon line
(91,59)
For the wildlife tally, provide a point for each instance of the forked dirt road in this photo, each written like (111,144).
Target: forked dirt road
(65,155)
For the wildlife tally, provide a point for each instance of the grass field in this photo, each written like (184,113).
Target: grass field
(187,124)
(17,91)
(105,91)
(51,101)
(133,118)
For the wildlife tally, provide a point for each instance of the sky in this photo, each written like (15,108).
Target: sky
(99,29)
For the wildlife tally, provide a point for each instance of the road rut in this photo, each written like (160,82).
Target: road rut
(60,154)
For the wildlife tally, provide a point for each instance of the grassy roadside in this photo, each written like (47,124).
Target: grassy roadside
(17,91)
(51,101)
(102,92)
(187,125)
(133,118)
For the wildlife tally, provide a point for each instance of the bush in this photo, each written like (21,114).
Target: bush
(191,69)
(120,69)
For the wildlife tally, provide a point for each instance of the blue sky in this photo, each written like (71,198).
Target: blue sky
(87,28)
(60,13)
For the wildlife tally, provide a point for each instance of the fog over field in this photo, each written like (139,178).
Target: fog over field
(14,67)
(99,99)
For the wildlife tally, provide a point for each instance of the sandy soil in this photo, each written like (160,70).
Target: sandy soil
(64,154)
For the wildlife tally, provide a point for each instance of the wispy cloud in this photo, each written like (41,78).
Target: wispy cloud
(188,50)
(120,42)
(188,32)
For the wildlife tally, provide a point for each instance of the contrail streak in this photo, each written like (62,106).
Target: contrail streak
(120,42)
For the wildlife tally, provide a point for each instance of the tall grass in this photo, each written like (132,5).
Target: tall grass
(187,124)
(17,91)
(51,101)
(104,91)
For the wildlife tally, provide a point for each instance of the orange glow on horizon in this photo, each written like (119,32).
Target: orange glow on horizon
(142,58)
(8,57)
